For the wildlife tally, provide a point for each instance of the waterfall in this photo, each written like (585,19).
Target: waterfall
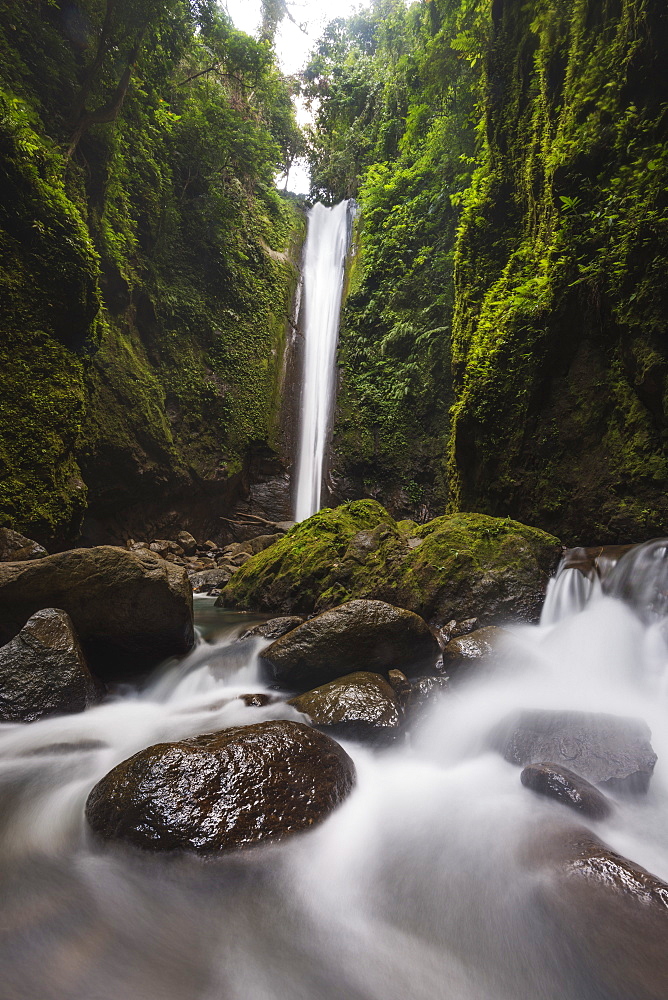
(324,263)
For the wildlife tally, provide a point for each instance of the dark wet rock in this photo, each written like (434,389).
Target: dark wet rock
(424,692)
(359,706)
(259,700)
(43,670)
(463,628)
(224,790)
(609,913)
(371,634)
(609,750)
(187,542)
(205,580)
(401,686)
(17,548)
(597,560)
(564,785)
(462,653)
(130,609)
(465,565)
(274,628)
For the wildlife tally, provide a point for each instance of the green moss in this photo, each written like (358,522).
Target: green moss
(453,567)
(559,256)
(168,219)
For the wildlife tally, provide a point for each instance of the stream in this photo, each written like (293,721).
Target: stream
(415,887)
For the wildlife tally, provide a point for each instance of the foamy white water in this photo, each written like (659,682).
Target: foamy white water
(323,274)
(417,886)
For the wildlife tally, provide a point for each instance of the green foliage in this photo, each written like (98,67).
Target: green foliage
(560,257)
(395,128)
(504,333)
(138,147)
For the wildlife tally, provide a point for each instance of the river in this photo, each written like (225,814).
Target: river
(416,887)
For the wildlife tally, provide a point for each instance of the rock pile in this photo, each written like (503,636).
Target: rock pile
(210,566)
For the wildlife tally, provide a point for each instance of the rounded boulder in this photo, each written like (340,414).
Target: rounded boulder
(359,706)
(371,635)
(43,670)
(224,790)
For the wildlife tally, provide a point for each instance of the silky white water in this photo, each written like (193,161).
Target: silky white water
(416,888)
(323,274)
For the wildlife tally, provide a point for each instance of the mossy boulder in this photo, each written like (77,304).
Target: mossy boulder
(457,566)
(223,790)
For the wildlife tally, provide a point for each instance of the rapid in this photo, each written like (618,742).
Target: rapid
(418,886)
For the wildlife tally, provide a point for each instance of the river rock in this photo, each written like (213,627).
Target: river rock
(360,706)
(611,914)
(274,628)
(187,542)
(462,653)
(43,670)
(360,633)
(424,692)
(401,686)
(224,790)
(609,750)
(17,548)
(466,565)
(564,785)
(130,609)
(206,580)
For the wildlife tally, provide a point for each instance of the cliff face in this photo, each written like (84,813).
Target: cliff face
(504,340)
(559,336)
(147,277)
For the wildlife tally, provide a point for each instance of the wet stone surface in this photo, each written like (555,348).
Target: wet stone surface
(360,706)
(43,670)
(224,790)
(369,634)
(608,750)
(557,782)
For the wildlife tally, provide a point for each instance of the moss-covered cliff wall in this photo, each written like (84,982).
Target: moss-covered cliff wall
(148,266)
(559,339)
(504,339)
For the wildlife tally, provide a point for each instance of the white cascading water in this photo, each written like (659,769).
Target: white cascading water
(325,253)
(417,886)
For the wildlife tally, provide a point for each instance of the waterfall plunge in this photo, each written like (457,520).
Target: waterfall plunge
(324,263)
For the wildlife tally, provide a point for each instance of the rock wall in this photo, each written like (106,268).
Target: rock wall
(559,334)
(147,282)
(503,346)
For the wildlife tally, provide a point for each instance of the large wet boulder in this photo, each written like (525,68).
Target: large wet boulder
(43,671)
(609,914)
(360,706)
(360,634)
(224,790)
(565,786)
(467,651)
(457,566)
(608,750)
(17,548)
(130,609)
